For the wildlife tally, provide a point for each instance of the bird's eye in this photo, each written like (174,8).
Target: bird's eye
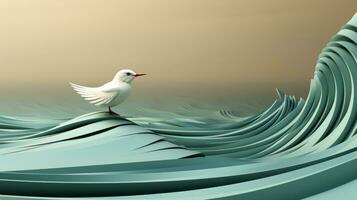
(128,73)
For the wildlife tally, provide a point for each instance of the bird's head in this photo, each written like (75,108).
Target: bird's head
(127,75)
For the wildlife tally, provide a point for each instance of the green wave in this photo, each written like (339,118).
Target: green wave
(295,149)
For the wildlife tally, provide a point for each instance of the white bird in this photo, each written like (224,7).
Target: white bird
(110,94)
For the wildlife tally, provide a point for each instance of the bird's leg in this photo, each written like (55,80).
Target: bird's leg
(111,112)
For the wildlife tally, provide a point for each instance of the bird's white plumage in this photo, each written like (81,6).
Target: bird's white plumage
(110,94)
(96,96)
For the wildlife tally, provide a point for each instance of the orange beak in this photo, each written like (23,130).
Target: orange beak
(139,74)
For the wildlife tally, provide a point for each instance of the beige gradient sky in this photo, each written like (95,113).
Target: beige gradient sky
(197,43)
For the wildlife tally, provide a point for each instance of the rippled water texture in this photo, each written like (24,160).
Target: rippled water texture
(296,148)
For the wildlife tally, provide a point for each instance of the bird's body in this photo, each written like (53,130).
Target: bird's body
(110,94)
(122,91)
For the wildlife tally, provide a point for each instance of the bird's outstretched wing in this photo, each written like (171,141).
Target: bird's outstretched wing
(95,96)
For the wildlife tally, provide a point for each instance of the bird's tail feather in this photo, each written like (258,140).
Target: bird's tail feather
(85,92)
(92,95)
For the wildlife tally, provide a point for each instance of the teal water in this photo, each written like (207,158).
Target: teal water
(293,149)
